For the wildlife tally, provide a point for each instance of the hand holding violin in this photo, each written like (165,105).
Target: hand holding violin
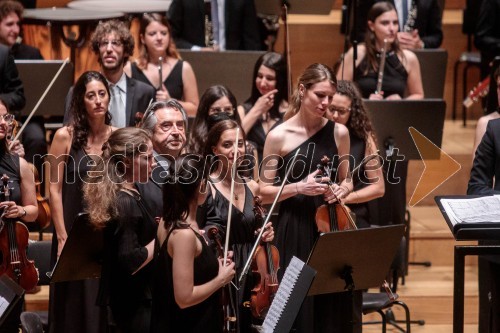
(268,234)
(226,272)
(313,184)
(336,193)
(11,210)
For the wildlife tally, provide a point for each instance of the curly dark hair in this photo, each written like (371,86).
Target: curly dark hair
(199,131)
(80,122)
(121,30)
(276,62)
(8,6)
(359,122)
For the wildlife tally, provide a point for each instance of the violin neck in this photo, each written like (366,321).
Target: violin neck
(270,263)
(334,225)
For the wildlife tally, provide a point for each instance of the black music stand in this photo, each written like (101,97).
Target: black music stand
(311,7)
(358,260)
(10,294)
(81,256)
(53,103)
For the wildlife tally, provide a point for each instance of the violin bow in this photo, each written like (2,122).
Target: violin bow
(230,211)
(269,213)
(39,102)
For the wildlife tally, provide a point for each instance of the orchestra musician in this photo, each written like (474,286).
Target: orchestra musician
(306,128)
(167,124)
(159,60)
(220,146)
(484,181)
(401,72)
(22,205)
(113,44)
(188,276)
(268,101)
(74,149)
(116,207)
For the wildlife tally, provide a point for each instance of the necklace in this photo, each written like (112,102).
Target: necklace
(236,196)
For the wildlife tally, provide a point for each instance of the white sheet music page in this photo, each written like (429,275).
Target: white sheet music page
(4,304)
(283,294)
(474,210)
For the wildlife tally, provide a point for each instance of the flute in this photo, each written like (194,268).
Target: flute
(380,78)
(160,72)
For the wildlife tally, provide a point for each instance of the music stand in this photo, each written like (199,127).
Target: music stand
(358,259)
(312,7)
(392,119)
(53,103)
(81,256)
(10,294)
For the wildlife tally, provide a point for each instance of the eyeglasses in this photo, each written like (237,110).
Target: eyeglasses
(228,109)
(340,111)
(115,43)
(8,118)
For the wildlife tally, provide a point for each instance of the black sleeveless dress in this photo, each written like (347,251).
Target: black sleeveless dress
(297,232)
(241,241)
(395,77)
(72,306)
(173,82)
(167,316)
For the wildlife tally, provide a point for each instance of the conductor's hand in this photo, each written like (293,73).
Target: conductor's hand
(226,272)
(312,184)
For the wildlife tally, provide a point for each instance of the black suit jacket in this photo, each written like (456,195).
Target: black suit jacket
(486,166)
(11,87)
(23,51)
(139,96)
(187,19)
(487,36)
(428,21)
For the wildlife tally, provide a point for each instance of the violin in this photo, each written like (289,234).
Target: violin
(336,216)
(13,243)
(213,237)
(265,265)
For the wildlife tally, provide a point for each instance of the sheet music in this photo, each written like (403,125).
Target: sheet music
(285,289)
(474,210)
(4,304)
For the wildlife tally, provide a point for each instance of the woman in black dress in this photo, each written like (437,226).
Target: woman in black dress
(22,205)
(402,77)
(306,128)
(115,206)
(188,275)
(268,102)
(178,79)
(74,149)
(347,108)
(220,145)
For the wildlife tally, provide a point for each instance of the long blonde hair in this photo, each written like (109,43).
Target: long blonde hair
(100,190)
(313,74)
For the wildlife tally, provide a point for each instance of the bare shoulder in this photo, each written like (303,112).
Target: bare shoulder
(410,57)
(252,184)
(341,130)
(63,135)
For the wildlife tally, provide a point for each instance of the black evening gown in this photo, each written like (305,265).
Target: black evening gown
(72,306)
(241,241)
(395,77)
(297,232)
(128,295)
(173,82)
(167,316)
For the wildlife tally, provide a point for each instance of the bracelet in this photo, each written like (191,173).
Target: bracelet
(24,212)
(297,187)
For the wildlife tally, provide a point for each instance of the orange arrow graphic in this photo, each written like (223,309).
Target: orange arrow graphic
(436,171)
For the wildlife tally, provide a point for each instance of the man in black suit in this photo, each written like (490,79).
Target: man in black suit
(425,32)
(187,18)
(485,169)
(11,87)
(113,44)
(10,28)
(487,36)
(167,123)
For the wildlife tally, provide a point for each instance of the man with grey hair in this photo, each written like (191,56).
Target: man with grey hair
(167,122)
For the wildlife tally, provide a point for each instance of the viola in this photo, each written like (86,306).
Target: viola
(265,265)
(13,243)
(336,216)
(213,237)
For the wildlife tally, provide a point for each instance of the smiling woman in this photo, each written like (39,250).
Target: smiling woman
(71,154)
